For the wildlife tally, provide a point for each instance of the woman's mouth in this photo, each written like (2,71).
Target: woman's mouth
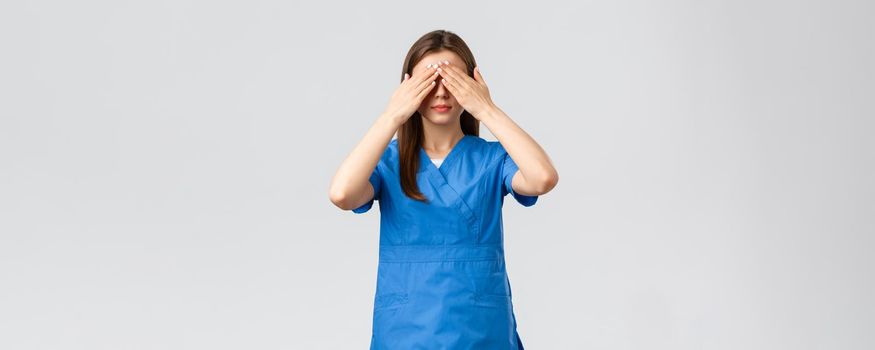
(442,108)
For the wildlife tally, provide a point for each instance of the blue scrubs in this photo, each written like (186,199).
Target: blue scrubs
(441,278)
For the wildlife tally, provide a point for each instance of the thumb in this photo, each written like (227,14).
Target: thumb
(478,76)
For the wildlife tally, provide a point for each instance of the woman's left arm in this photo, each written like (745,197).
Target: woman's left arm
(536,175)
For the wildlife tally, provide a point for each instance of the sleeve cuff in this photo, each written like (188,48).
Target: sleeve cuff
(525,200)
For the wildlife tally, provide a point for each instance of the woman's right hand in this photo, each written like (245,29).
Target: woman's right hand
(350,187)
(409,95)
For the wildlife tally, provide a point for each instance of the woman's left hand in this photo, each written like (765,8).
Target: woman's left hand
(472,94)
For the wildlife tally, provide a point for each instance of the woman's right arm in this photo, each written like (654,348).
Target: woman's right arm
(350,187)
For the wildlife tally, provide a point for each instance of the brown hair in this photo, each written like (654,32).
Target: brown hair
(411,134)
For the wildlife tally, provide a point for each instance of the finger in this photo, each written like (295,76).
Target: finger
(428,80)
(424,78)
(461,74)
(478,76)
(454,90)
(425,91)
(455,75)
(453,85)
(424,74)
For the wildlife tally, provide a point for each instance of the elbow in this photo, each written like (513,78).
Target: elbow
(547,182)
(339,198)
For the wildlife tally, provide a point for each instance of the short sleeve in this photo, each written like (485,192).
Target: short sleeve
(509,168)
(377,182)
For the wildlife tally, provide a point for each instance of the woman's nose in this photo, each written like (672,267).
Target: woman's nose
(440,89)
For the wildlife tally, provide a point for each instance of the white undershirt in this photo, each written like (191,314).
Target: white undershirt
(437,161)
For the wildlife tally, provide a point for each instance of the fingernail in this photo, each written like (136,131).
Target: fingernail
(446,62)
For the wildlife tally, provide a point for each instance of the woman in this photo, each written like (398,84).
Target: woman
(441,278)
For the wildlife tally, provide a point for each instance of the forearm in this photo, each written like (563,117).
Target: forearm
(350,182)
(534,164)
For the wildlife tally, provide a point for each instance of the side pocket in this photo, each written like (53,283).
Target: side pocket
(390,301)
(388,311)
(489,285)
(492,301)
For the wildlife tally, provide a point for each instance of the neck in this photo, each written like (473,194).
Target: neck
(439,139)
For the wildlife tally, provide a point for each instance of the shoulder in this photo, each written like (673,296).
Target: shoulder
(391,151)
(389,159)
(488,153)
(490,149)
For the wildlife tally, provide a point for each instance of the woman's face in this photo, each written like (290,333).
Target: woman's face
(439,95)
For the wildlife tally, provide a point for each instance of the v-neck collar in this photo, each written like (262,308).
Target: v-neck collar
(425,161)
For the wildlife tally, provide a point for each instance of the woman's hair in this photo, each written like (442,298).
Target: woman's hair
(411,134)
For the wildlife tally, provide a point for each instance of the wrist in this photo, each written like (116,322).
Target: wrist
(392,119)
(489,113)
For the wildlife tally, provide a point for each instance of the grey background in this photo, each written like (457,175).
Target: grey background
(164,169)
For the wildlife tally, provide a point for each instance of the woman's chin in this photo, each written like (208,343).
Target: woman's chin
(441,119)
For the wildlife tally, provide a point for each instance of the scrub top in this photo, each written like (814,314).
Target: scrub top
(441,277)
